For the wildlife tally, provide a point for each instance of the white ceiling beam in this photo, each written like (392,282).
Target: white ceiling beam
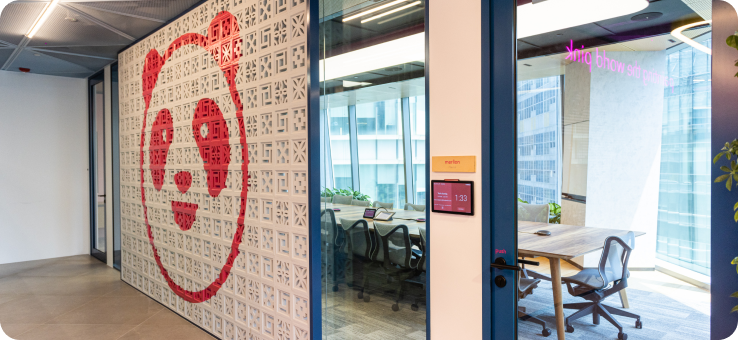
(16,53)
(98,22)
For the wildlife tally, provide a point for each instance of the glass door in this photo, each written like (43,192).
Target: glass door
(605,130)
(98,197)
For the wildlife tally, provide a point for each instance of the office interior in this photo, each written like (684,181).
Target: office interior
(223,168)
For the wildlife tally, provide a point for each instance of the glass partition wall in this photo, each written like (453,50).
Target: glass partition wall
(613,144)
(373,156)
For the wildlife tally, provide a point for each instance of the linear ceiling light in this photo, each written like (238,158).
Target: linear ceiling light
(392,53)
(390,12)
(677,33)
(554,15)
(375,9)
(42,18)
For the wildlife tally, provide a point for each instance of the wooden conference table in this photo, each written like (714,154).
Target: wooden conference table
(565,243)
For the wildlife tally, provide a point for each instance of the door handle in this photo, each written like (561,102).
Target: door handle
(501,264)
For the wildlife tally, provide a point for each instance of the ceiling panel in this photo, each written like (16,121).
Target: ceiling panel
(92,64)
(17,19)
(133,26)
(157,9)
(4,55)
(59,31)
(43,64)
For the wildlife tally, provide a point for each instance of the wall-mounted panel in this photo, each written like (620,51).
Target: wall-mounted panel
(213,129)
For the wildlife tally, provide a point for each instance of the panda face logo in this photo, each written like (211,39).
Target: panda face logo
(211,134)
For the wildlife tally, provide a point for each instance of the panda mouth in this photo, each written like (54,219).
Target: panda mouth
(184,214)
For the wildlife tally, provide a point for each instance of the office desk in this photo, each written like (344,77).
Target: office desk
(565,243)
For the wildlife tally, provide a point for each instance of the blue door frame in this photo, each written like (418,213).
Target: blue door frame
(499,166)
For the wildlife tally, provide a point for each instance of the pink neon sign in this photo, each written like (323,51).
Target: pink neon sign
(612,65)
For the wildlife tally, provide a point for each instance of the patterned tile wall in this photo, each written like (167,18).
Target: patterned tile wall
(214,195)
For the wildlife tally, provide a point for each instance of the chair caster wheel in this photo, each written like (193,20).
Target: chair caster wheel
(622,336)
(395,307)
(366,298)
(335,288)
(569,329)
(639,324)
(546,332)
(361,295)
(414,307)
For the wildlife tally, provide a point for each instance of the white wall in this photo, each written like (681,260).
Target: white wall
(44,189)
(455,120)
(625,153)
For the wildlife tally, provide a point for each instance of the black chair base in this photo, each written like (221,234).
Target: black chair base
(597,309)
(525,317)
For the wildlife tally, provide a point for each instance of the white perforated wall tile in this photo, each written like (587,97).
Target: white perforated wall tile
(213,118)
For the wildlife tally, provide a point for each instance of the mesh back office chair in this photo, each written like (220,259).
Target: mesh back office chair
(340,199)
(394,253)
(357,247)
(360,203)
(328,234)
(416,207)
(378,204)
(422,263)
(525,288)
(596,284)
(533,213)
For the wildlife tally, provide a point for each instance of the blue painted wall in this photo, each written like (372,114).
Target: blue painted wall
(724,128)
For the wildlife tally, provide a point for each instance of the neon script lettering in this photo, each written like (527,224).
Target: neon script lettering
(612,65)
(452,162)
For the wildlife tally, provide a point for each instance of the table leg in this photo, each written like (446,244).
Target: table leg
(558,298)
(624,299)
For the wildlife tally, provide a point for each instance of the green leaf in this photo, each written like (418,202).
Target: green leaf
(725,168)
(735,207)
(735,217)
(732,41)
(735,260)
(722,178)
(729,183)
(734,309)
(735,295)
(717,157)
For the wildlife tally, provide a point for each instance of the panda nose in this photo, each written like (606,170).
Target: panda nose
(183,179)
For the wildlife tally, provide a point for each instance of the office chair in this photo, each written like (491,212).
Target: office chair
(525,288)
(421,267)
(596,284)
(378,204)
(356,244)
(394,253)
(533,213)
(416,207)
(325,199)
(360,203)
(340,199)
(328,234)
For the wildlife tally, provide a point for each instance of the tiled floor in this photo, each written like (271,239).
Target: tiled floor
(79,297)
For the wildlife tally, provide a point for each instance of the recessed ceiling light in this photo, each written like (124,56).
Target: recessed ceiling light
(647,16)
(390,12)
(375,9)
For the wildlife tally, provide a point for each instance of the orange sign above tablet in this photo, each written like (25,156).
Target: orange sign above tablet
(454,164)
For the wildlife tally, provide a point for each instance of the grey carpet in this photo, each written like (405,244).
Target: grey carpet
(662,317)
